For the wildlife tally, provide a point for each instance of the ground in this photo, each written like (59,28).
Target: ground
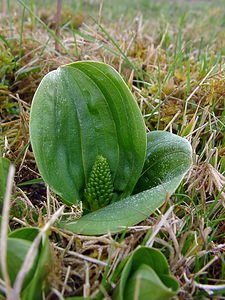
(171,55)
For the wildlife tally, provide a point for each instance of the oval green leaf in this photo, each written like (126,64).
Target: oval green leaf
(127,212)
(167,156)
(38,283)
(25,233)
(145,283)
(169,169)
(80,111)
(16,252)
(146,274)
(19,242)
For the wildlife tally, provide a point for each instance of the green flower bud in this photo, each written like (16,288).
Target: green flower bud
(99,189)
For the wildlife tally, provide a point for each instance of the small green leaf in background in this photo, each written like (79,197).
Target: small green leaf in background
(38,284)
(19,242)
(16,252)
(4,168)
(146,276)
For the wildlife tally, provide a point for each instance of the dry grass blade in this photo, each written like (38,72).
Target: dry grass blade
(159,226)
(209,288)
(4,232)
(81,256)
(195,90)
(2,286)
(66,279)
(58,294)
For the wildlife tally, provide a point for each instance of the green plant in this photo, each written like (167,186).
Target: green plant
(83,111)
(146,276)
(4,167)
(8,64)
(99,189)
(18,245)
